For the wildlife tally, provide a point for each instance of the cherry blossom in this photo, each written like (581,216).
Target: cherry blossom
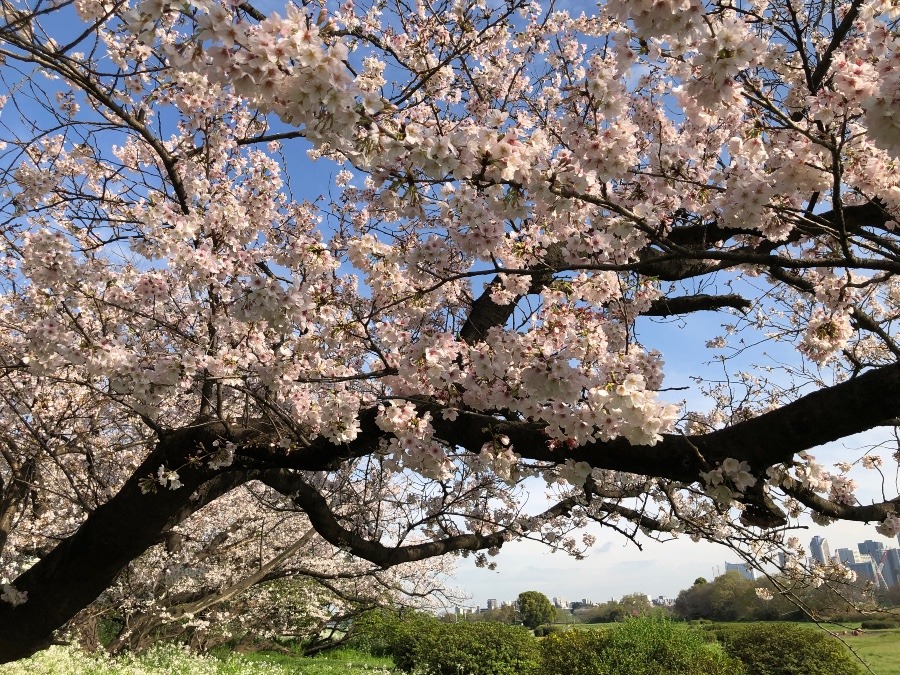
(392,271)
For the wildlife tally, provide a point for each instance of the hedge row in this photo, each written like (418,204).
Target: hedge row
(643,646)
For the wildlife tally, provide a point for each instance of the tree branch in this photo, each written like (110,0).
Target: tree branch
(81,567)
(696,303)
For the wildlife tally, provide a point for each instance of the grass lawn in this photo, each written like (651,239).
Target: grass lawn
(172,661)
(880,649)
(345,662)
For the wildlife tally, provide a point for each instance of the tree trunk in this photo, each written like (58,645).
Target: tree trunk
(80,568)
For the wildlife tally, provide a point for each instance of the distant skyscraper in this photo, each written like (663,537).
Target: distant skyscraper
(848,556)
(743,568)
(819,549)
(873,549)
(891,568)
(493,604)
(865,571)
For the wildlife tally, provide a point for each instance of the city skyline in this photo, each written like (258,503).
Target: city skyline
(615,566)
(613,569)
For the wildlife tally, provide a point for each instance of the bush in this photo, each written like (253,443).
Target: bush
(655,646)
(786,649)
(480,648)
(385,633)
(574,652)
(644,646)
(548,629)
(879,624)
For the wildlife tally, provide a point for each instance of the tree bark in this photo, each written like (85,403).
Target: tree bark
(81,567)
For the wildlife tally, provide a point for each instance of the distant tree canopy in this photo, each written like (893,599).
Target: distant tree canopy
(535,609)
(505,614)
(631,605)
(731,597)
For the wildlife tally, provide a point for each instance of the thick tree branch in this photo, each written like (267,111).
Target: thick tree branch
(486,314)
(81,567)
(866,513)
(775,437)
(326,524)
(696,303)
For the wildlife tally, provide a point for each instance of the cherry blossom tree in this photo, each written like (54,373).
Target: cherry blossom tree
(254,570)
(525,200)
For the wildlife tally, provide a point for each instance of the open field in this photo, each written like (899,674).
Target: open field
(880,649)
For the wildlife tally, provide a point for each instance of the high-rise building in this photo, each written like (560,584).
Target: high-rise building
(873,549)
(819,549)
(865,571)
(891,568)
(848,556)
(493,604)
(742,568)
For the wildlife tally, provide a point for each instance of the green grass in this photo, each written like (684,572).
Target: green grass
(169,660)
(344,661)
(880,649)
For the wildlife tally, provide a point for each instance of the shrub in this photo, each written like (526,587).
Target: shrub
(786,649)
(385,633)
(656,646)
(548,629)
(479,648)
(878,624)
(644,646)
(574,652)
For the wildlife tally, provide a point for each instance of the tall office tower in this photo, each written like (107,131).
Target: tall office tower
(891,568)
(848,556)
(865,571)
(873,549)
(819,549)
(742,568)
